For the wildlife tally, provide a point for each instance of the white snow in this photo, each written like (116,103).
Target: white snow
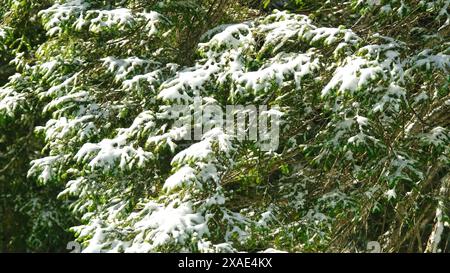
(121,68)
(164,223)
(45,167)
(355,74)
(438,136)
(181,177)
(390,194)
(109,152)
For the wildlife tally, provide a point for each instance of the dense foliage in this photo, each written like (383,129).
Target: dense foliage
(90,150)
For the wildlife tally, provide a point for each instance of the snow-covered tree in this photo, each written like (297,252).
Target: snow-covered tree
(90,141)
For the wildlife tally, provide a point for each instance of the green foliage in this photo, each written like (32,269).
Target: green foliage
(362,89)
